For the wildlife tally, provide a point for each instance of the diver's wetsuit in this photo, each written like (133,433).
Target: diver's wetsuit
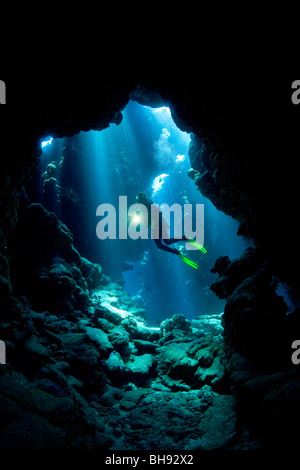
(162,243)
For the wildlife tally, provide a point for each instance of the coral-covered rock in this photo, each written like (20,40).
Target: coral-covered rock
(141,365)
(48,264)
(254,313)
(119,337)
(176,327)
(115,365)
(207,325)
(79,352)
(140,330)
(210,375)
(99,338)
(92,273)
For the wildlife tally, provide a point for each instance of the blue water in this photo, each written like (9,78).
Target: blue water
(146,152)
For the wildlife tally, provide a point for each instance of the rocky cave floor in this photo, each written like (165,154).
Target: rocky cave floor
(85,371)
(103,380)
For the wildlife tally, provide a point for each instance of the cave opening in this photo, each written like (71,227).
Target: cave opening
(145,152)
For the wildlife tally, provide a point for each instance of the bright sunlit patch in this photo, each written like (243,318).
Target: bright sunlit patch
(158,182)
(46,142)
(180,158)
(164,110)
(118,311)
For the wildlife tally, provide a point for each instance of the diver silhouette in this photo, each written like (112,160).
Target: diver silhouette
(163,243)
(161,237)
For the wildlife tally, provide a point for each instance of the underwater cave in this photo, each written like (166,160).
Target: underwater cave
(114,344)
(147,152)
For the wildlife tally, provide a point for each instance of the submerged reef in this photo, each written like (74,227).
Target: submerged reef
(85,369)
(258,332)
(99,383)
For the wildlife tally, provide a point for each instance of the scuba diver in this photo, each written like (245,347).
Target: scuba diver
(161,238)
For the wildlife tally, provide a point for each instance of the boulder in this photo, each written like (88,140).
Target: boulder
(99,339)
(130,399)
(140,365)
(77,350)
(115,365)
(176,327)
(119,337)
(34,347)
(138,329)
(211,375)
